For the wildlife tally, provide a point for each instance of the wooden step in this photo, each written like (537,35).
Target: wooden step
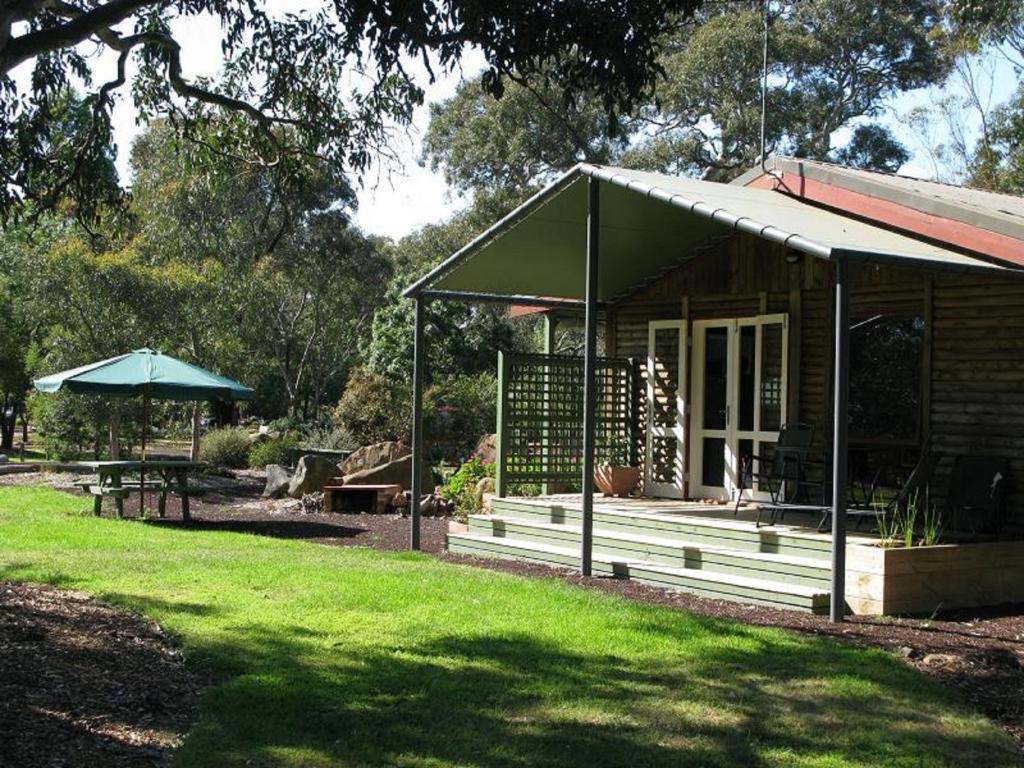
(728,586)
(682,553)
(722,531)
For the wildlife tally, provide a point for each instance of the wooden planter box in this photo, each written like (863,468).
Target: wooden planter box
(921,580)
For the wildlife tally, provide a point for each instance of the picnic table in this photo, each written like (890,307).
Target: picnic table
(169,476)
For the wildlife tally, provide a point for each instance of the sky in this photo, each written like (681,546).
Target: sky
(395,201)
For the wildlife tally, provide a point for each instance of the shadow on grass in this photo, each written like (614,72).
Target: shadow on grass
(279,529)
(519,701)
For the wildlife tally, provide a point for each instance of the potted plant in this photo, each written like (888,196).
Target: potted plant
(613,475)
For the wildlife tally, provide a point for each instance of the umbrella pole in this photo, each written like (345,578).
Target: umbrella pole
(142,467)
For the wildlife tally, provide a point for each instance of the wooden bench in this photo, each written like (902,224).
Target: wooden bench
(359,498)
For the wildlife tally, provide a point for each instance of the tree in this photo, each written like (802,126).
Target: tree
(463,338)
(832,62)
(277,276)
(323,85)
(874,148)
(481,142)
(998,164)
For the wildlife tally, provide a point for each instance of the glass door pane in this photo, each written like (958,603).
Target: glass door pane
(663,460)
(747,379)
(771,363)
(716,382)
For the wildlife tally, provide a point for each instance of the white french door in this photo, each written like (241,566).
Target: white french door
(664,472)
(739,400)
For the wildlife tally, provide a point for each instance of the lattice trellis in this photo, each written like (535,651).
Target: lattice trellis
(540,417)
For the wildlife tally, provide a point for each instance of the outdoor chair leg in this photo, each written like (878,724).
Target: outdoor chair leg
(161,504)
(97,505)
(185,514)
(119,505)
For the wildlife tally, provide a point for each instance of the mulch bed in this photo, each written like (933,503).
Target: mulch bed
(980,654)
(82,683)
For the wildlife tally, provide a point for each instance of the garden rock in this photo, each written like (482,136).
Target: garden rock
(370,456)
(3,458)
(278,481)
(487,449)
(311,475)
(484,489)
(398,472)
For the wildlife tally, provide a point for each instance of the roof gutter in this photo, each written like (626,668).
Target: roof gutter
(720,215)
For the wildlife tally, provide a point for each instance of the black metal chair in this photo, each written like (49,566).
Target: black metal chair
(870,505)
(977,491)
(783,474)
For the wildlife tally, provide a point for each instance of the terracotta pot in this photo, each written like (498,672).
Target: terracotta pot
(616,481)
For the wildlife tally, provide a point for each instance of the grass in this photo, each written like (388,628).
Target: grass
(349,657)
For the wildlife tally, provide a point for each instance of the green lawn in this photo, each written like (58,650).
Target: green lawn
(327,656)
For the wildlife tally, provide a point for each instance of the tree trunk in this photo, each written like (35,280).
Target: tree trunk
(115,436)
(7,426)
(197,415)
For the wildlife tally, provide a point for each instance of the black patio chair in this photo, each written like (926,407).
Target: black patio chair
(871,505)
(783,473)
(977,491)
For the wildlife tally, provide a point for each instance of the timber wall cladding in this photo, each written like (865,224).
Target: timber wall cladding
(974,388)
(977,398)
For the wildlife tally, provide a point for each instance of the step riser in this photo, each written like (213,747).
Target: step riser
(508,550)
(690,529)
(688,556)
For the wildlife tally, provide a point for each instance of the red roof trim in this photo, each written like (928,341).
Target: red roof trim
(982,241)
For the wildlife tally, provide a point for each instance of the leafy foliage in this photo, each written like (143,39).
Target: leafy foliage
(274,450)
(458,410)
(832,62)
(226,447)
(326,83)
(373,408)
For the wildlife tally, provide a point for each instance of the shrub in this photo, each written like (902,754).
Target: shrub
(225,447)
(373,409)
(457,411)
(331,438)
(68,425)
(272,451)
(461,486)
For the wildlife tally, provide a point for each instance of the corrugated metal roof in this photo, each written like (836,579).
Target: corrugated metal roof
(989,210)
(650,222)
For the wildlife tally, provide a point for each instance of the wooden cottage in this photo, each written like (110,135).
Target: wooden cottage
(879,314)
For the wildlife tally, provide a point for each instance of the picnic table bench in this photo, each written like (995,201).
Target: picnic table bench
(171,477)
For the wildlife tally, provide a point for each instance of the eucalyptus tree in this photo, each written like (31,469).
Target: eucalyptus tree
(325,82)
(833,64)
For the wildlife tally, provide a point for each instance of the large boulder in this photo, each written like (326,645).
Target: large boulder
(370,456)
(487,449)
(397,472)
(278,481)
(311,475)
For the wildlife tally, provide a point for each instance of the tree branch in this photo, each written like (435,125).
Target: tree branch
(82,26)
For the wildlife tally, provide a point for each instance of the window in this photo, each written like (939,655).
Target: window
(885,377)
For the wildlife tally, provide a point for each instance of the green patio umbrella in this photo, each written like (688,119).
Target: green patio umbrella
(148,374)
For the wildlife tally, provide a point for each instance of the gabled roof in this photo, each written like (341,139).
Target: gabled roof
(992,223)
(650,222)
